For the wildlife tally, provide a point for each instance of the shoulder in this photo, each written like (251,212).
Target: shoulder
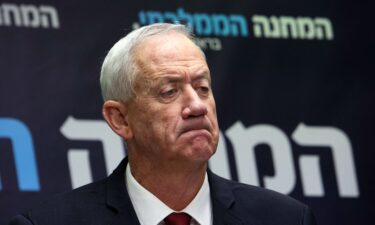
(261,203)
(64,208)
(93,192)
(242,191)
(93,203)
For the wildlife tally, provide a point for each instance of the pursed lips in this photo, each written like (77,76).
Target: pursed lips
(196,123)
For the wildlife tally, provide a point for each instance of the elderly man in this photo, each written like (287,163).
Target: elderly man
(157,90)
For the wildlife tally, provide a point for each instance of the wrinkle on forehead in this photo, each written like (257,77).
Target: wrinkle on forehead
(182,75)
(169,46)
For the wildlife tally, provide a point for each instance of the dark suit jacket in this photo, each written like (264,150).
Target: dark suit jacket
(107,202)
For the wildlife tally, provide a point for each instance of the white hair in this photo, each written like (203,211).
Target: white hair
(119,69)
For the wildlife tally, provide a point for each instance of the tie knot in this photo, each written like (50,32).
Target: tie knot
(177,219)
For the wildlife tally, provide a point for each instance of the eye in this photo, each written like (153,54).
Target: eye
(170,93)
(203,90)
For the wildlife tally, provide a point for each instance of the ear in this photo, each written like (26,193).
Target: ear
(115,113)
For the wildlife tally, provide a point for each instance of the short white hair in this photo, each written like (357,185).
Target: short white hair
(119,69)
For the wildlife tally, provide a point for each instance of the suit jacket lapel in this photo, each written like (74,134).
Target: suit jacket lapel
(222,201)
(118,199)
(119,202)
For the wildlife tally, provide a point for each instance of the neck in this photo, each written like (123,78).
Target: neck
(175,185)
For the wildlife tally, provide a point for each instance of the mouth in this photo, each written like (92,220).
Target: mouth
(195,127)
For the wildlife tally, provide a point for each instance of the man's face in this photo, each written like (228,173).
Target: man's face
(173,116)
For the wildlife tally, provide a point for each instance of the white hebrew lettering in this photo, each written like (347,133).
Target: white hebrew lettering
(214,44)
(323,24)
(245,140)
(30,16)
(261,27)
(208,43)
(288,27)
(274,27)
(96,130)
(306,28)
(338,142)
(11,11)
(311,176)
(79,167)
(51,13)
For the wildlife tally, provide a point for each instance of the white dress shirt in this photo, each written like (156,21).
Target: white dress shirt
(151,211)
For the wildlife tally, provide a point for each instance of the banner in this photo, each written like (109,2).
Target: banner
(293,82)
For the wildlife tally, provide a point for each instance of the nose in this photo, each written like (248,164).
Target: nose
(194,105)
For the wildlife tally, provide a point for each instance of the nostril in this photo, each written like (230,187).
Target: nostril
(194,110)
(198,109)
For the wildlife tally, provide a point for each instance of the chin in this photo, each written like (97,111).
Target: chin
(201,152)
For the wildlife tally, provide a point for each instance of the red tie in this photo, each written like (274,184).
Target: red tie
(177,219)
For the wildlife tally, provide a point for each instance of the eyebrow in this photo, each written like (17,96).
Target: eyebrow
(204,75)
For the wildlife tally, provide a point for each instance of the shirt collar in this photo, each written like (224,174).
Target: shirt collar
(144,201)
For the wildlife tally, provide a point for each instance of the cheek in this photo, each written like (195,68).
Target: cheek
(160,123)
(141,121)
(213,118)
(167,123)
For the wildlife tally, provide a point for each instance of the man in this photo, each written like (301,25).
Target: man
(157,90)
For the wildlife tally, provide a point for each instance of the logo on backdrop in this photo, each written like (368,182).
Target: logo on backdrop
(30,16)
(243,139)
(208,27)
(211,27)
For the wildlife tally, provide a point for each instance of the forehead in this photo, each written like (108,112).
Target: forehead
(169,51)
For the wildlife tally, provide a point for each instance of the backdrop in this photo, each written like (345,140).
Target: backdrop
(293,80)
